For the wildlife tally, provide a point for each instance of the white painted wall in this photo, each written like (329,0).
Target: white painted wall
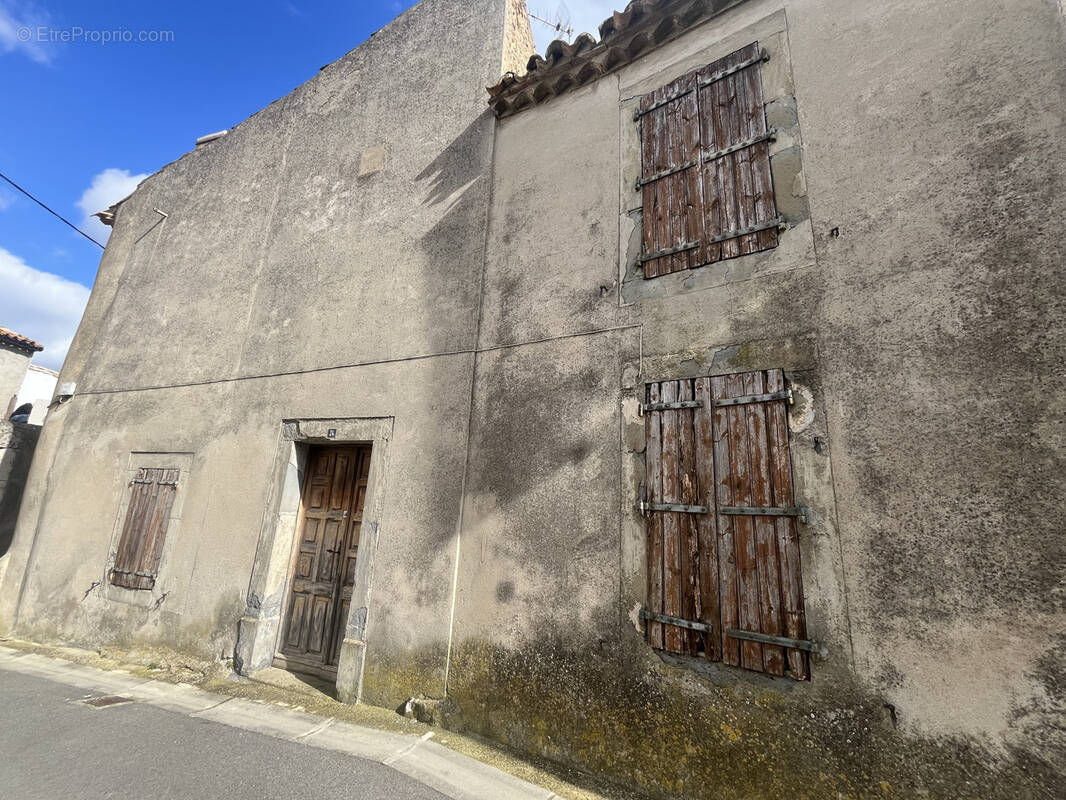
(38,386)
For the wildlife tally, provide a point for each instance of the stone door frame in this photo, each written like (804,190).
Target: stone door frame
(260,626)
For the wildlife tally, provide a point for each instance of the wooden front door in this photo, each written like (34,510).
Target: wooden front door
(323,571)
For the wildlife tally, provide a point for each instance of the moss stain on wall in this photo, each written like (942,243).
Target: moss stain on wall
(626,716)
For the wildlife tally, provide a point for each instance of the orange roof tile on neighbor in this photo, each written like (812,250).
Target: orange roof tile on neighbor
(624,36)
(9,337)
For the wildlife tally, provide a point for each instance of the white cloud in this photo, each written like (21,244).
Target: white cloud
(584,15)
(107,188)
(40,305)
(21,33)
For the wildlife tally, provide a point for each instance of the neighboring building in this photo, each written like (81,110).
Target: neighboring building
(16,351)
(720,463)
(38,387)
(17,438)
(17,443)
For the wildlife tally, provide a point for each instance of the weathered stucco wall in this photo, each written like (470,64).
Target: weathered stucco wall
(323,260)
(13,365)
(928,443)
(473,284)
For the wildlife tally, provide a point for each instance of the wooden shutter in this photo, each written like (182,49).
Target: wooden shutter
(706,183)
(670,146)
(145,528)
(723,551)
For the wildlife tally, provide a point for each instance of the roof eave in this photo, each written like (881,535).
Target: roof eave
(624,37)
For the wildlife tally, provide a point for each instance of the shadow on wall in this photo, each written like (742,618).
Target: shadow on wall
(455,185)
(465,160)
(17,442)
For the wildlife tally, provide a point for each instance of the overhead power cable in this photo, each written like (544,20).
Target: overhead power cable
(373,363)
(50,211)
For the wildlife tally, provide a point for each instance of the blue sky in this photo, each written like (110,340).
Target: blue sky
(85,119)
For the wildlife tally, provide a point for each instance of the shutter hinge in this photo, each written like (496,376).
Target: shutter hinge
(664,102)
(766,638)
(668,251)
(642,182)
(725,73)
(134,573)
(676,507)
(676,621)
(671,406)
(785,394)
(703,83)
(800,512)
(778,223)
(769,136)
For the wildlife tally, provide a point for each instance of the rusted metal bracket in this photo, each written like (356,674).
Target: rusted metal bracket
(681,509)
(769,136)
(725,73)
(671,406)
(756,398)
(754,511)
(676,621)
(778,223)
(666,173)
(134,574)
(681,248)
(765,638)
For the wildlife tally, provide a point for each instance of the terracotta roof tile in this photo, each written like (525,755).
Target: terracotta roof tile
(624,36)
(9,337)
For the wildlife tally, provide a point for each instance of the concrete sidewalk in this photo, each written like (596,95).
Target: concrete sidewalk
(446,771)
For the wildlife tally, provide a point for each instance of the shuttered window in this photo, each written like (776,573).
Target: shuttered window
(145,528)
(723,553)
(705,176)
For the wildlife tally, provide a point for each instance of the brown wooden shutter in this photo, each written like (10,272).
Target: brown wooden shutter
(670,137)
(723,551)
(706,167)
(144,530)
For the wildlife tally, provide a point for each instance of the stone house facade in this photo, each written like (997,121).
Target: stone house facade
(690,413)
(16,351)
(18,437)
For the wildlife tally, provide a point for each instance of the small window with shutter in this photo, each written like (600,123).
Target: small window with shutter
(140,547)
(723,560)
(705,167)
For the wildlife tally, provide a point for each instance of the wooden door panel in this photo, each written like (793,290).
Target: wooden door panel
(319,625)
(361,476)
(324,565)
(348,581)
(329,547)
(360,499)
(309,537)
(341,488)
(297,617)
(304,563)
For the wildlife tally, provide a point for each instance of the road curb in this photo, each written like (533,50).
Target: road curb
(453,774)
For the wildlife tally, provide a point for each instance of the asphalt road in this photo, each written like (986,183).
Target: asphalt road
(53,747)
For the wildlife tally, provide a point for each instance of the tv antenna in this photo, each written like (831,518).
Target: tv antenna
(559,22)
